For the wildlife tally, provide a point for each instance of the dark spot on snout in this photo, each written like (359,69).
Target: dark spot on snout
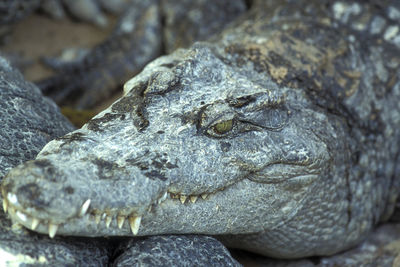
(170,165)
(96,124)
(69,190)
(240,101)
(125,104)
(73,137)
(155,175)
(42,163)
(30,194)
(105,168)
(47,168)
(225,146)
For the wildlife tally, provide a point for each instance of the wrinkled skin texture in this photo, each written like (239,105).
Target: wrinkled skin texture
(289,126)
(84,10)
(381,248)
(190,250)
(28,121)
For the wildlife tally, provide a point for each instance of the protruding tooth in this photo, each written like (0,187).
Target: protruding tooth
(120,221)
(134,222)
(104,215)
(5,205)
(52,230)
(108,221)
(84,208)
(164,197)
(183,199)
(193,199)
(12,198)
(35,223)
(149,209)
(97,218)
(21,215)
(204,196)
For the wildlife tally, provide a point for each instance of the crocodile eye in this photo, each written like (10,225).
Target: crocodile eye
(223,127)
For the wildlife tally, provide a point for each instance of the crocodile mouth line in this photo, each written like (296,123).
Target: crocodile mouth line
(10,203)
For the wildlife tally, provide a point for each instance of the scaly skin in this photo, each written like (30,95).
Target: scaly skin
(280,137)
(85,10)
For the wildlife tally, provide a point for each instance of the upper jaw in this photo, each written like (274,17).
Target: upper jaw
(90,221)
(48,204)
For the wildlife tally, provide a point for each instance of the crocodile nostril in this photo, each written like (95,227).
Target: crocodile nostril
(29,191)
(31,194)
(69,190)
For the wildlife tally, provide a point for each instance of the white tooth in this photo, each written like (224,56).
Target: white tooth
(149,209)
(84,208)
(35,223)
(108,221)
(120,221)
(183,199)
(204,196)
(104,216)
(193,199)
(134,222)
(12,198)
(5,205)
(21,215)
(164,197)
(52,229)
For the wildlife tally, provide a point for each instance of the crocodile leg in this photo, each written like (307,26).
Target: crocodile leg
(135,41)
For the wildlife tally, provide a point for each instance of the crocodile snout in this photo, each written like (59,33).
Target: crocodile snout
(44,198)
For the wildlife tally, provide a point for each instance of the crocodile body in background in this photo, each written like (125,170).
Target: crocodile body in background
(86,10)
(28,121)
(281,136)
(147,30)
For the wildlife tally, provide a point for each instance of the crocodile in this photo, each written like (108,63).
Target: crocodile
(145,31)
(12,11)
(29,121)
(279,136)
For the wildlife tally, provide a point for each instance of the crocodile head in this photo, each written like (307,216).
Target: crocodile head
(196,145)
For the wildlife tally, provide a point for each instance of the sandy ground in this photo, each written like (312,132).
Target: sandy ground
(37,36)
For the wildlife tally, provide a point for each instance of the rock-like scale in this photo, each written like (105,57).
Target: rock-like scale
(190,250)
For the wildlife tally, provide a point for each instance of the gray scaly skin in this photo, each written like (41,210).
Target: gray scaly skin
(181,250)
(279,137)
(28,121)
(84,10)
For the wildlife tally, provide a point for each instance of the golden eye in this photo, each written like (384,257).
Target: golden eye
(223,127)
